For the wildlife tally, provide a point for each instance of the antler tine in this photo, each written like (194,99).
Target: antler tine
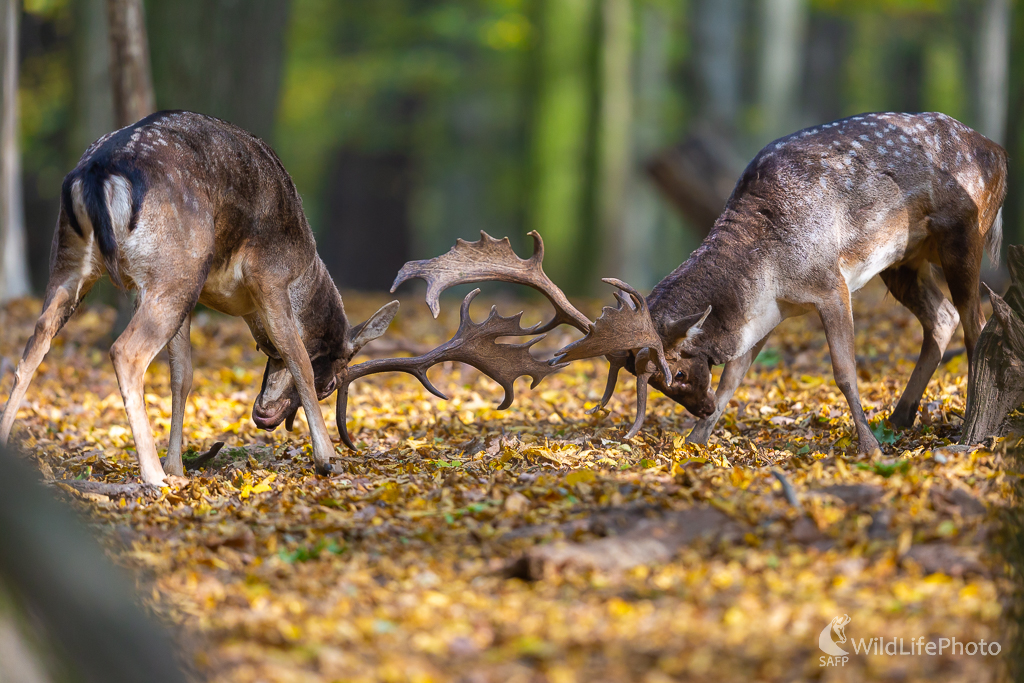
(493,259)
(627,327)
(474,344)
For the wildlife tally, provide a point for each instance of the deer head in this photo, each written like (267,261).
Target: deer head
(278,400)
(690,366)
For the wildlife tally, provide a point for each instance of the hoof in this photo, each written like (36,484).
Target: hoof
(325,469)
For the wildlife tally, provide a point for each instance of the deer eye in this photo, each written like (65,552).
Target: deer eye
(680,376)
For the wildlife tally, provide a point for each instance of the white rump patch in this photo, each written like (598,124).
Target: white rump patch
(78,207)
(118,193)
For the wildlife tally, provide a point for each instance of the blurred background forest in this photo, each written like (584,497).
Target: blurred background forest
(614,127)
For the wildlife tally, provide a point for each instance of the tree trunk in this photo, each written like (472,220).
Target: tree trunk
(132,85)
(94,97)
(367,216)
(783,32)
(129,61)
(614,136)
(644,210)
(220,57)
(14,263)
(718,25)
(994,69)
(558,134)
(996,386)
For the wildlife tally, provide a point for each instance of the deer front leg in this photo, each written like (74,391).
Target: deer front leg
(732,375)
(284,333)
(837,318)
(151,328)
(179,354)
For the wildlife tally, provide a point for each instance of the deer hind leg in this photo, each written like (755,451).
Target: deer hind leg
(179,354)
(732,375)
(961,264)
(919,292)
(158,317)
(837,318)
(70,280)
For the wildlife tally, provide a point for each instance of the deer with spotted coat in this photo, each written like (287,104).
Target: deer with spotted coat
(187,208)
(813,217)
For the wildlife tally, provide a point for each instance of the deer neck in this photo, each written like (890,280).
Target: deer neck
(320,312)
(731,272)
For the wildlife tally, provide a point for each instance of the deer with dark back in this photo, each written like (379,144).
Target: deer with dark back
(813,217)
(185,208)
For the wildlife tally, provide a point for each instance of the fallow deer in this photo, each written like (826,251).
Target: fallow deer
(813,217)
(187,208)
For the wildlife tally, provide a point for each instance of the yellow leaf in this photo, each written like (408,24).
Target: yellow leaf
(580,477)
(264,486)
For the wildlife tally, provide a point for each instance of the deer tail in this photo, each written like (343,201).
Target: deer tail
(104,204)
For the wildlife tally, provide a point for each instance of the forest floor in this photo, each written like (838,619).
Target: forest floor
(534,544)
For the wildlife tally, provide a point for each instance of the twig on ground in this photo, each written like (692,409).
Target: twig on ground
(787,489)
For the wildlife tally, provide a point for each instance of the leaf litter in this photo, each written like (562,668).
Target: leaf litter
(466,544)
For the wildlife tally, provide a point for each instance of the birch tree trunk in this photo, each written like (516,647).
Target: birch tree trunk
(14,262)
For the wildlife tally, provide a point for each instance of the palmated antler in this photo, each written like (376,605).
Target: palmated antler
(627,327)
(492,259)
(474,344)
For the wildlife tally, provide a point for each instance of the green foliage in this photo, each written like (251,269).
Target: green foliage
(308,553)
(442,80)
(768,357)
(883,432)
(886,469)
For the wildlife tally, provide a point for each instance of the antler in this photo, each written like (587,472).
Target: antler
(627,327)
(493,259)
(474,344)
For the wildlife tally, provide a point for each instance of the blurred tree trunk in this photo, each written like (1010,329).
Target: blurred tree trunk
(993,69)
(783,34)
(614,140)
(718,25)
(132,85)
(94,97)
(1013,209)
(14,262)
(129,61)
(644,210)
(220,57)
(559,126)
(367,211)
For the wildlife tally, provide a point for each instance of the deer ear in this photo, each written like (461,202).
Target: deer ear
(376,325)
(684,332)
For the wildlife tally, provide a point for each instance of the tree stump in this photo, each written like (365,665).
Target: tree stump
(996,386)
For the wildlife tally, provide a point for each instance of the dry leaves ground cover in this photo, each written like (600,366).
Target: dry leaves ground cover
(467,544)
